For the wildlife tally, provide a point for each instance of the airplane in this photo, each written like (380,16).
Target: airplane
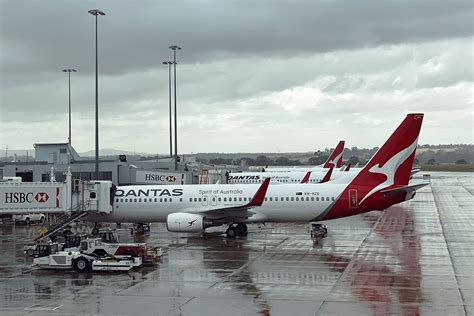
(383,182)
(334,160)
(316,176)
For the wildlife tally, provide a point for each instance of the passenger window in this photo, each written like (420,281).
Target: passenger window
(327,198)
(135,200)
(235,199)
(161,200)
(116,200)
(225,199)
(195,199)
(126,200)
(199,199)
(171,200)
(265,199)
(139,200)
(240,199)
(156,200)
(270,199)
(312,198)
(307,199)
(218,199)
(333,198)
(276,199)
(297,198)
(292,199)
(165,199)
(317,199)
(181,199)
(287,199)
(190,199)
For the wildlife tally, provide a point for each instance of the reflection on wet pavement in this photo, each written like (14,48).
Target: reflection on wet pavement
(415,258)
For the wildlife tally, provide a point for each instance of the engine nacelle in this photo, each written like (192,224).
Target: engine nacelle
(186,222)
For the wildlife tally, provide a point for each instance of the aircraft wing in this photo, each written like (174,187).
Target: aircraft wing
(237,210)
(405,188)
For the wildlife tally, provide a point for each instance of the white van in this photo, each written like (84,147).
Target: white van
(29,218)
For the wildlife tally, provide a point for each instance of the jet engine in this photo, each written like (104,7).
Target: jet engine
(187,222)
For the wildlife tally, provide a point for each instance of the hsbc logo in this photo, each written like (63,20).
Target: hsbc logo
(159,178)
(41,197)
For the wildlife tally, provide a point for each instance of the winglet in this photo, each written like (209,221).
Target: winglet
(306,177)
(348,167)
(259,196)
(335,159)
(327,177)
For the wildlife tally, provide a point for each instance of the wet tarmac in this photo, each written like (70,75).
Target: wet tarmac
(415,258)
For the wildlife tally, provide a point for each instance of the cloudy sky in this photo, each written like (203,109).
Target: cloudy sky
(252,75)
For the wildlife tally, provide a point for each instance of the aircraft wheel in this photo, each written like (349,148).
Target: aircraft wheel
(27,221)
(30,252)
(231,232)
(95,231)
(81,264)
(241,229)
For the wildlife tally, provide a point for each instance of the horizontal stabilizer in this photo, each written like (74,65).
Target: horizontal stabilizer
(404,188)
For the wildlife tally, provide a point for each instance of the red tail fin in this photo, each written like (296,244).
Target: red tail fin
(392,163)
(335,159)
(327,176)
(306,177)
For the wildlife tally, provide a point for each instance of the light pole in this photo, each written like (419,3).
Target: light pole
(169,63)
(69,76)
(96,13)
(174,48)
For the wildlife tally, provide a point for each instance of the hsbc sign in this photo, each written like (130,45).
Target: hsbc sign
(154,177)
(28,197)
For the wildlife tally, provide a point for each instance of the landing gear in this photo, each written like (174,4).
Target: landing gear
(231,232)
(318,231)
(239,230)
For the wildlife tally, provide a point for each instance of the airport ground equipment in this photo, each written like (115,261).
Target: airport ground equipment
(84,262)
(149,256)
(318,231)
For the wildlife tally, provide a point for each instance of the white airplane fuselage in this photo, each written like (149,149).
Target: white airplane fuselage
(292,202)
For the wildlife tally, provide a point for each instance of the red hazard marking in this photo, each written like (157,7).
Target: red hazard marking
(41,197)
(171,178)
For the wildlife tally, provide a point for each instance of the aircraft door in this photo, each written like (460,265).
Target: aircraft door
(353,203)
(204,200)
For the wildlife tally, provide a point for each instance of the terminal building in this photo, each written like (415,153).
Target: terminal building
(56,158)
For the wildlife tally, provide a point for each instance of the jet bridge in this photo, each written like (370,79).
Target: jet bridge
(56,197)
